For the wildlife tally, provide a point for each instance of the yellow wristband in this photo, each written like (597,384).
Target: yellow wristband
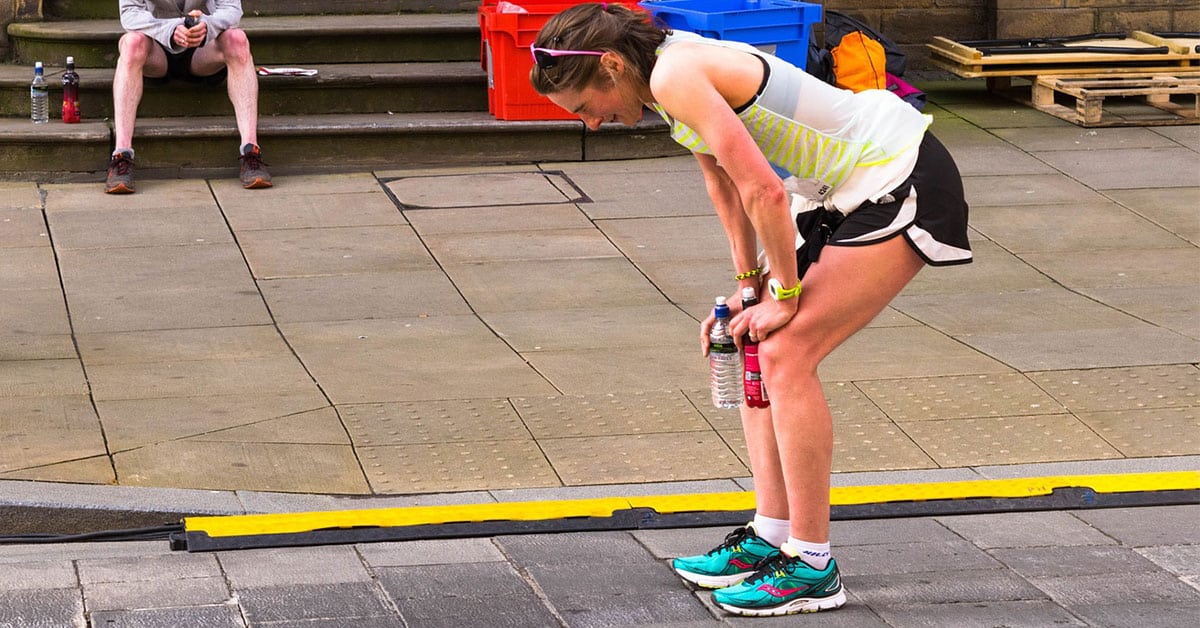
(779,293)
(753,272)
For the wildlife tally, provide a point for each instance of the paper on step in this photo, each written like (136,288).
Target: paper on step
(264,71)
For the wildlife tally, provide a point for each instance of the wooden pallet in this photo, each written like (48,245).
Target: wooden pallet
(969,62)
(1172,98)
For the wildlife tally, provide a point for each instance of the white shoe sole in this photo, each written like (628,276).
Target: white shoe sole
(711,582)
(791,607)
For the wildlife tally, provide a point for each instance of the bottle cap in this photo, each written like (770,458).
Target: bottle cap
(37,65)
(720,300)
(70,60)
(748,293)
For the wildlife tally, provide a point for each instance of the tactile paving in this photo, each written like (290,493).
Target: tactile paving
(1128,388)
(464,466)
(718,418)
(642,458)
(1008,440)
(847,404)
(1149,432)
(959,397)
(447,421)
(876,446)
(609,414)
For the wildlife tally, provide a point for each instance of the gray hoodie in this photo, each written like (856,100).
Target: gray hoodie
(157,19)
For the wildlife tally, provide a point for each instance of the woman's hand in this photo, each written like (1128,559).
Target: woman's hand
(760,320)
(734,302)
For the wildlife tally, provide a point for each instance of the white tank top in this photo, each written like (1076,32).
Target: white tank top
(841,147)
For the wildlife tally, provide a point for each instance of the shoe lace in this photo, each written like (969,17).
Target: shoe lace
(122,165)
(769,565)
(732,539)
(252,160)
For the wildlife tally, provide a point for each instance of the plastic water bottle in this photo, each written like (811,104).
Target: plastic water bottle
(39,96)
(70,83)
(724,360)
(752,382)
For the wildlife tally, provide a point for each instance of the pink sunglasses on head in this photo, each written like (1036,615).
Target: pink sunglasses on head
(546,58)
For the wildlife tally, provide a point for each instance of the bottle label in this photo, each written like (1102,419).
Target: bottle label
(756,391)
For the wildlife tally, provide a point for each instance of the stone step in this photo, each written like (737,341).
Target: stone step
(86,9)
(203,146)
(278,40)
(337,88)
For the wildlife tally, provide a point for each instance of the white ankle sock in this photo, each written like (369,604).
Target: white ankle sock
(815,554)
(771,530)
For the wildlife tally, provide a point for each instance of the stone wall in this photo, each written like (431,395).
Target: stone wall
(912,23)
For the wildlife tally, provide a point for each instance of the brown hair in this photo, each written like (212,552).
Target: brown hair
(633,34)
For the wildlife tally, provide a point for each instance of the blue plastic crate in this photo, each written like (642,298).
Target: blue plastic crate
(784,23)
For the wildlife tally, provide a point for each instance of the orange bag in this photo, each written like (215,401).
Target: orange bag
(859,63)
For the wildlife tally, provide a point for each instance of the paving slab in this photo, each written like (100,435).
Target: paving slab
(1172,208)
(27,268)
(528,217)
(1149,432)
(320,565)
(162,593)
(488,189)
(1136,528)
(1008,440)
(41,607)
(1010,614)
(959,397)
(310,211)
(641,368)
(131,423)
(240,465)
(653,457)
(888,352)
(1075,559)
(548,246)
(41,430)
(520,285)
(59,574)
(20,195)
(1035,529)
(994,270)
(181,225)
(278,253)
(1072,137)
(23,228)
(411,359)
(29,314)
(873,447)
(1038,228)
(456,466)
(207,616)
(1026,189)
(152,194)
(1110,169)
(388,295)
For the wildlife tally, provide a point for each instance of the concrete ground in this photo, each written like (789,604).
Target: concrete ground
(530,332)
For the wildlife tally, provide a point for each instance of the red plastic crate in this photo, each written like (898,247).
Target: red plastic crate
(506,38)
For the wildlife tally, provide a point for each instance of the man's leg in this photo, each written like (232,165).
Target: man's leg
(232,50)
(139,56)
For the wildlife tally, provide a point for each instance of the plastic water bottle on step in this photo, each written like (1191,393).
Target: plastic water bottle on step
(39,96)
(724,360)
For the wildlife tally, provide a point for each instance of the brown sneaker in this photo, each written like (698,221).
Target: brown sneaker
(254,172)
(120,174)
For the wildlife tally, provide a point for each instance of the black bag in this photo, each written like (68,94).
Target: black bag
(838,25)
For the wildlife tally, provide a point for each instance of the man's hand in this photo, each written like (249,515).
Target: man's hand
(191,37)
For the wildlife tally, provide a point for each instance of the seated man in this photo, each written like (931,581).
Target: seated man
(157,46)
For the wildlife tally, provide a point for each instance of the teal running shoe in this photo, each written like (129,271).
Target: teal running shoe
(782,586)
(727,563)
